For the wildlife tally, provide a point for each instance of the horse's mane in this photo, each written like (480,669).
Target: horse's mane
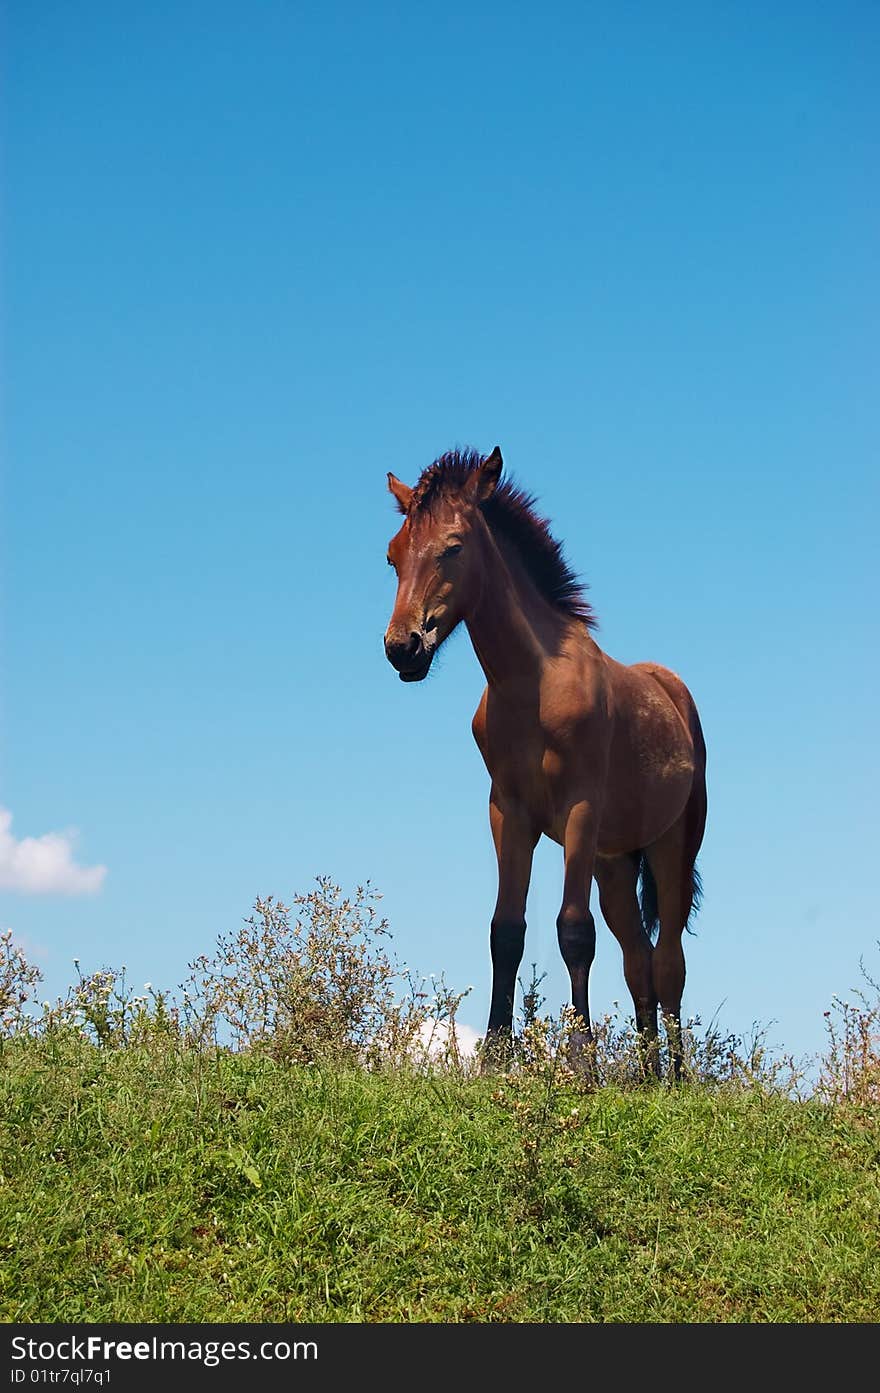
(510,514)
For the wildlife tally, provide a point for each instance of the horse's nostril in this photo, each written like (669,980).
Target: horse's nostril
(430,625)
(415,643)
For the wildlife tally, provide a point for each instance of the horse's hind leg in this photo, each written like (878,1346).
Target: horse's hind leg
(617,878)
(672,860)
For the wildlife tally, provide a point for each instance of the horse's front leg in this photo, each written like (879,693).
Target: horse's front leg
(575,926)
(515,842)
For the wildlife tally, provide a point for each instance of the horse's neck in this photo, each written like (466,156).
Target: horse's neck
(512,627)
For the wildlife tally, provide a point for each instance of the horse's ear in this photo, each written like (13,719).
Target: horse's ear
(402,492)
(487,476)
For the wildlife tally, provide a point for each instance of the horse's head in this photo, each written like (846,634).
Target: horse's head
(435,556)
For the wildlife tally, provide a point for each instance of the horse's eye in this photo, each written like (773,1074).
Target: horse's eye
(453,550)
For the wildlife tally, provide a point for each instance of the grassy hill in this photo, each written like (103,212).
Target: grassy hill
(148,1186)
(262,1147)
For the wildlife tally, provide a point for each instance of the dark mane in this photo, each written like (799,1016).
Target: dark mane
(510,514)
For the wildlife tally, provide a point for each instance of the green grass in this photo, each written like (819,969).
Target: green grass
(165,1186)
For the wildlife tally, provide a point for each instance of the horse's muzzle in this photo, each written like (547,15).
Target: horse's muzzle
(411,657)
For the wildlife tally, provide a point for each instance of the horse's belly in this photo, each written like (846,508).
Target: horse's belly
(637,770)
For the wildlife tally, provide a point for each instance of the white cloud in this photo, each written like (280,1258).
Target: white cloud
(44,865)
(434,1039)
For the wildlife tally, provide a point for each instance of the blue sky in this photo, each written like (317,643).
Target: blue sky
(254,257)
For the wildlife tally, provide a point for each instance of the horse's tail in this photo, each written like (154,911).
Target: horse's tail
(696,811)
(694,823)
(648,897)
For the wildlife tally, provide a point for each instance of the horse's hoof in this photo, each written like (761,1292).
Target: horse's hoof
(582,1056)
(495,1054)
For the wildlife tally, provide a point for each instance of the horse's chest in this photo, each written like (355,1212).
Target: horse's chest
(526,767)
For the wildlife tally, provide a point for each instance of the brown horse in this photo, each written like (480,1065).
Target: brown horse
(608,761)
